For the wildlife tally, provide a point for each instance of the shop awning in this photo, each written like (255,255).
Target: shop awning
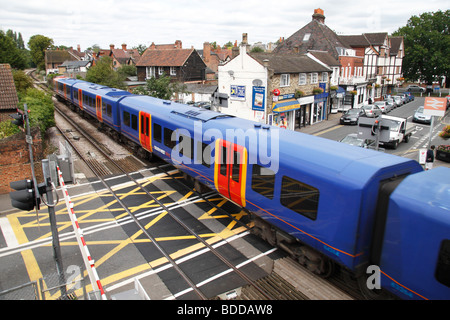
(285,105)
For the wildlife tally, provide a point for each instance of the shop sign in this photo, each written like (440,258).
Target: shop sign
(237,92)
(258,98)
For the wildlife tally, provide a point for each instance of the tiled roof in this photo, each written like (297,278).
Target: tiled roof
(164,58)
(289,63)
(8,94)
(321,38)
(356,40)
(376,39)
(395,45)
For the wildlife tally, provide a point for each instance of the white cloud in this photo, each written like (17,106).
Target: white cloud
(193,22)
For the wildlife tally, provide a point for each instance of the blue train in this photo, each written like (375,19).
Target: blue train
(378,216)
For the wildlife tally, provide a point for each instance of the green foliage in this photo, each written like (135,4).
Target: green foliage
(427,46)
(10,53)
(38,44)
(40,105)
(21,81)
(8,129)
(103,74)
(160,88)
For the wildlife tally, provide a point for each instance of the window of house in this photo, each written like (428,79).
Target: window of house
(314,77)
(302,79)
(284,80)
(324,77)
(299,197)
(173,71)
(150,72)
(160,71)
(306,37)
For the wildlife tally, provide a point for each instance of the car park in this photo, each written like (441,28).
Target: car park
(415,88)
(351,116)
(419,116)
(372,111)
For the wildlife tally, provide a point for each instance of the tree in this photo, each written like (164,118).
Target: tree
(161,88)
(140,48)
(38,44)
(102,73)
(10,53)
(427,46)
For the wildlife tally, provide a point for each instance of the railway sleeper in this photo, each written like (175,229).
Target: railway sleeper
(308,257)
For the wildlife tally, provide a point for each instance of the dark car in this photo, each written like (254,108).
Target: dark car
(351,116)
(410,96)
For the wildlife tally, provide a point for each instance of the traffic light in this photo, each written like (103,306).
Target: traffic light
(25,198)
(19,118)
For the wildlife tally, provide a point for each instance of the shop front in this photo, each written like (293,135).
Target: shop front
(284,113)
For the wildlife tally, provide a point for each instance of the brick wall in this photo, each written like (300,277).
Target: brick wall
(15,159)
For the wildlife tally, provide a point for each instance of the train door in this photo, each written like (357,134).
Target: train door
(98,106)
(145,131)
(80,98)
(65,91)
(230,171)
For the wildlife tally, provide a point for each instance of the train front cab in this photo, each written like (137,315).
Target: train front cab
(415,256)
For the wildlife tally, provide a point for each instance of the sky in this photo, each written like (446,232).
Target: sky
(134,22)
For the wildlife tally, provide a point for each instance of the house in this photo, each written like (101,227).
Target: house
(74,68)
(286,90)
(123,56)
(383,59)
(317,36)
(8,95)
(55,58)
(182,65)
(213,57)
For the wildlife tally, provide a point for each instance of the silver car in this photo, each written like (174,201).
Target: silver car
(420,117)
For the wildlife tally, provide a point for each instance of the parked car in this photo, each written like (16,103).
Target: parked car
(203,104)
(410,96)
(398,100)
(391,103)
(415,88)
(403,97)
(383,106)
(351,116)
(420,117)
(371,111)
(352,139)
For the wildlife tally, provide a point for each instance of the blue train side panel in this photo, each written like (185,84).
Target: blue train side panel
(415,261)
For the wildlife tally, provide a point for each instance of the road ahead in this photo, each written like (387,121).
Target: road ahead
(418,140)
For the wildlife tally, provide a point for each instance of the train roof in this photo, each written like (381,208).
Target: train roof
(102,90)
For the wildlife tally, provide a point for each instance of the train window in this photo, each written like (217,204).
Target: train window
(203,154)
(299,197)
(108,110)
(236,166)
(185,146)
(126,118)
(223,161)
(168,142)
(134,122)
(263,181)
(442,273)
(157,132)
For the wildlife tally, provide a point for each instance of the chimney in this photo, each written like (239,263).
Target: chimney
(153,46)
(111,46)
(206,52)
(244,39)
(79,48)
(178,44)
(124,47)
(319,15)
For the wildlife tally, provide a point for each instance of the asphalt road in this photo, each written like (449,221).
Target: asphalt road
(418,140)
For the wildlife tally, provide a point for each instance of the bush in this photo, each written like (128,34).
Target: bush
(40,105)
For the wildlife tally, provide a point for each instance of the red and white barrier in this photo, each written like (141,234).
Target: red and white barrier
(88,261)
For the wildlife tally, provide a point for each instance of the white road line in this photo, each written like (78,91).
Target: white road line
(8,233)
